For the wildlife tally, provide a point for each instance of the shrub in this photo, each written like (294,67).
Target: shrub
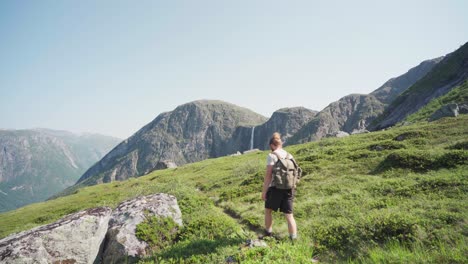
(386,145)
(158,232)
(409,135)
(463,145)
(416,160)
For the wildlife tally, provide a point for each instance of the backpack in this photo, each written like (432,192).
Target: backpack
(286,173)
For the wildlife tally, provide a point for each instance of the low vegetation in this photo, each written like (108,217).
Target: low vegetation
(394,196)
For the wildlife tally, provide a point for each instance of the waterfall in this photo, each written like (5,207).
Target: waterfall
(252,138)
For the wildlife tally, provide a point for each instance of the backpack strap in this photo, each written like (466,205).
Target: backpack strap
(277,155)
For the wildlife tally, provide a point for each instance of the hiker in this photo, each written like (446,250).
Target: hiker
(275,194)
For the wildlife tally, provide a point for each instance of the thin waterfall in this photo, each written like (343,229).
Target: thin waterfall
(252,138)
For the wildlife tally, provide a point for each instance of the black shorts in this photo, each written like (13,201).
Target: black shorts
(280,199)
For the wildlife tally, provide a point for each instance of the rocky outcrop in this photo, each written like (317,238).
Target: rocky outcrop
(121,243)
(75,238)
(192,132)
(97,235)
(443,77)
(449,110)
(35,164)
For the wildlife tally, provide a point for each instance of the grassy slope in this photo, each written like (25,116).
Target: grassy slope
(458,94)
(365,198)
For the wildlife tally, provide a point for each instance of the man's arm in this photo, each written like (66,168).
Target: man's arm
(267,181)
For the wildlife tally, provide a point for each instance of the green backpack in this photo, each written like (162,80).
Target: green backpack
(286,173)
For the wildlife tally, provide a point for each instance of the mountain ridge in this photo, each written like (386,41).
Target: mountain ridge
(37,163)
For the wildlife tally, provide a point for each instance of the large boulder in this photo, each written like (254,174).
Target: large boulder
(76,238)
(449,110)
(122,245)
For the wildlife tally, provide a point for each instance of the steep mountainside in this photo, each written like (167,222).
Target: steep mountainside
(35,164)
(395,86)
(355,112)
(446,75)
(192,132)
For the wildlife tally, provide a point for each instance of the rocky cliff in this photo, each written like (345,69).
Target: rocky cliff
(35,164)
(447,74)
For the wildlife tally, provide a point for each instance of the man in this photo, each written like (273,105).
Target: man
(276,198)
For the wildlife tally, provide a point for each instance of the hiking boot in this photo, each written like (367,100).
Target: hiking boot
(265,234)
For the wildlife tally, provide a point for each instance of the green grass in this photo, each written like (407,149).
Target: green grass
(394,196)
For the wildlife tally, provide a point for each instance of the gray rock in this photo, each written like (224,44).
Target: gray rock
(449,110)
(256,243)
(236,154)
(339,134)
(251,151)
(359,131)
(166,164)
(122,244)
(76,238)
(463,108)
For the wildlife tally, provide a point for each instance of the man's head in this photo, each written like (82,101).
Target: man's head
(275,141)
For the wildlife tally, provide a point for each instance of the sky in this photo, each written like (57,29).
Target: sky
(110,67)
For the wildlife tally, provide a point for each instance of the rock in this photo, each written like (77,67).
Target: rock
(339,134)
(251,151)
(231,259)
(122,244)
(236,154)
(166,164)
(76,238)
(256,243)
(359,131)
(449,110)
(463,108)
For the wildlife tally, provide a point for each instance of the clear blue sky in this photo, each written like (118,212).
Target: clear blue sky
(112,66)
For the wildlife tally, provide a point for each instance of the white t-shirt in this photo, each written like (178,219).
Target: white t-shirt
(272,158)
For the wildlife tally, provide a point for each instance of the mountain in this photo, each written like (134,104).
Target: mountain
(350,113)
(354,113)
(446,75)
(192,132)
(286,121)
(35,164)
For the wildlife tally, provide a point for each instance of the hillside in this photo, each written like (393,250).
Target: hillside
(394,196)
(35,164)
(446,75)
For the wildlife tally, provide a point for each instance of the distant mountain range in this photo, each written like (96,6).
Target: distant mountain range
(38,163)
